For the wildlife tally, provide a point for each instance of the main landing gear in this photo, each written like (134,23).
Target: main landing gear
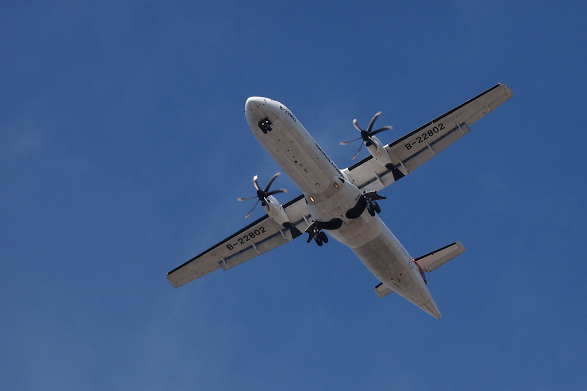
(373,207)
(321,238)
(315,232)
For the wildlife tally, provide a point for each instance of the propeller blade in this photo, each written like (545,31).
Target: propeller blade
(373,121)
(252,209)
(350,141)
(271,181)
(381,130)
(262,195)
(275,192)
(358,150)
(367,134)
(246,199)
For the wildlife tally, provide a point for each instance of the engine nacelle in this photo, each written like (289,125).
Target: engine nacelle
(377,150)
(275,210)
(277,213)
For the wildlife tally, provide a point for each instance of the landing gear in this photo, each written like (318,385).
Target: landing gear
(376,207)
(315,230)
(373,207)
(320,238)
(370,209)
(318,241)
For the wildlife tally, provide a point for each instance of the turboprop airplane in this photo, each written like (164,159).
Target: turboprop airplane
(342,202)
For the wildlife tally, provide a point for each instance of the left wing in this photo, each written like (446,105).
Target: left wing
(254,239)
(417,147)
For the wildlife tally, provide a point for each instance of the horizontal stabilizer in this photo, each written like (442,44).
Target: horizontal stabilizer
(382,290)
(436,259)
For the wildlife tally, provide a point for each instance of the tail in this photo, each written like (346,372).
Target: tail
(428,263)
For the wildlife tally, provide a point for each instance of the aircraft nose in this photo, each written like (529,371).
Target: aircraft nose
(253,103)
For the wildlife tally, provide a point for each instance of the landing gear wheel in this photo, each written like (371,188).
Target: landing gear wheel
(323,237)
(318,240)
(376,207)
(371,210)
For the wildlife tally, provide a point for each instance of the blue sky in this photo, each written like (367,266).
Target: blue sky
(123,148)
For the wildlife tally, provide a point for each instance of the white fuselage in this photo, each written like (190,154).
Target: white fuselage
(330,195)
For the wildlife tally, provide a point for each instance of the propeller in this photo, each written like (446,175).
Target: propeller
(262,194)
(366,134)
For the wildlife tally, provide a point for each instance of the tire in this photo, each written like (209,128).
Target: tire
(376,207)
(370,210)
(323,237)
(318,240)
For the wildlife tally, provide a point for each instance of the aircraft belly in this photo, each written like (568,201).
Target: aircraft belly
(357,232)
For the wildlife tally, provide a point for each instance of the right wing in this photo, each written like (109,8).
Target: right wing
(417,147)
(256,238)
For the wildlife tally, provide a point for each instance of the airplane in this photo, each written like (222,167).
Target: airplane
(342,202)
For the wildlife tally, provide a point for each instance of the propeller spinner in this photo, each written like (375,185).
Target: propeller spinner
(366,134)
(262,194)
